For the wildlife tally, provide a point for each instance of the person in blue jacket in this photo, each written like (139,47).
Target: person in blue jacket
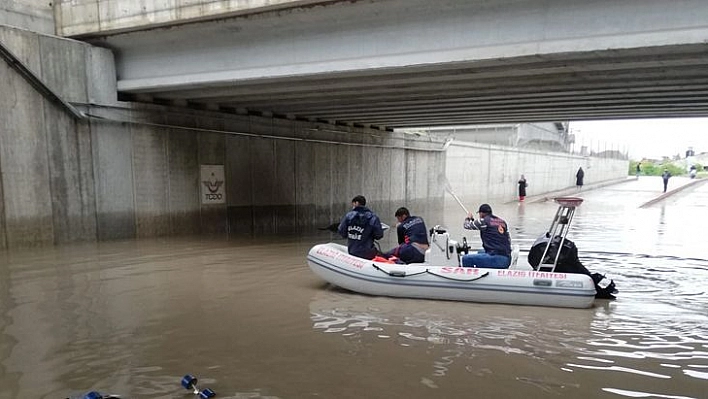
(412,238)
(361,227)
(495,240)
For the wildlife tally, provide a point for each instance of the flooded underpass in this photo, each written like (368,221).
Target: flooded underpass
(250,320)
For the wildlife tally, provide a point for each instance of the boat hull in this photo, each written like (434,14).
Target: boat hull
(519,287)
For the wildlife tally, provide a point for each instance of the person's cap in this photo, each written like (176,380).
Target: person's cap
(485,208)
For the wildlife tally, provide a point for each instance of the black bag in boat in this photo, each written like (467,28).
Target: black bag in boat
(568,262)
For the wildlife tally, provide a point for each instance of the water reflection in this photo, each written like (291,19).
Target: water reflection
(662,222)
(518,228)
(634,342)
(460,336)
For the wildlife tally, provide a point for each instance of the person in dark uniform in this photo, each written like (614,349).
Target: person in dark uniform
(361,227)
(495,240)
(412,238)
(665,177)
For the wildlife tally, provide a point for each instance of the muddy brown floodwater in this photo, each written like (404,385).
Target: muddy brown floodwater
(250,320)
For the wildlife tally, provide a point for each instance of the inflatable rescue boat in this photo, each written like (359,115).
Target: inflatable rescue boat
(442,277)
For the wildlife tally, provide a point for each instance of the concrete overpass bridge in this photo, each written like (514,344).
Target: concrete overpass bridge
(406,63)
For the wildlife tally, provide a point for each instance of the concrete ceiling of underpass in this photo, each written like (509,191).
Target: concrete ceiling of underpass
(416,63)
(649,83)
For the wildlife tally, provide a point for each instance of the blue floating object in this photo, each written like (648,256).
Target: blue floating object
(189,381)
(93,395)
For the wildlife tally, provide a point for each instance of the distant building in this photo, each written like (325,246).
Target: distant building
(616,154)
(700,159)
(549,136)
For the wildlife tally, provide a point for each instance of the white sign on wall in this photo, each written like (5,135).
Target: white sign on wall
(212,183)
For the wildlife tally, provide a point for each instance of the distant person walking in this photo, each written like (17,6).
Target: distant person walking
(639,170)
(579,176)
(522,188)
(665,176)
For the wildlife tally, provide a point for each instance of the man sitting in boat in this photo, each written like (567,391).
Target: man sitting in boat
(495,240)
(361,227)
(567,262)
(412,238)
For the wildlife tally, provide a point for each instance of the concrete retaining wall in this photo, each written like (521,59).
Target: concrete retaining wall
(483,172)
(279,180)
(34,15)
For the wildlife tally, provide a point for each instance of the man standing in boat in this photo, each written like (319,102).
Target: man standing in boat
(495,239)
(412,238)
(361,227)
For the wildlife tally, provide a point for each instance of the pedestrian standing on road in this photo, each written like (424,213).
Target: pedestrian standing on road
(579,176)
(665,176)
(639,169)
(522,188)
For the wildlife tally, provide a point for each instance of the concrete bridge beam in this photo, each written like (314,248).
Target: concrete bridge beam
(419,62)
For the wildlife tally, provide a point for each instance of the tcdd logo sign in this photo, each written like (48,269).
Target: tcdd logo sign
(213,187)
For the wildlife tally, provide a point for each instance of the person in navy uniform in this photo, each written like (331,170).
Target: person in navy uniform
(495,240)
(361,227)
(412,238)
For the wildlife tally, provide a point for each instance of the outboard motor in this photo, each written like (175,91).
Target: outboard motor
(567,262)
(442,251)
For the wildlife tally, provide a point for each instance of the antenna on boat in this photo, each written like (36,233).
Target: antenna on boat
(448,188)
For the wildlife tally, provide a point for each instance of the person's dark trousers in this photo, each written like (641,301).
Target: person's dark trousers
(407,253)
(485,260)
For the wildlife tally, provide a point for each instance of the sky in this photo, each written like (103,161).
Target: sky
(643,138)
